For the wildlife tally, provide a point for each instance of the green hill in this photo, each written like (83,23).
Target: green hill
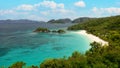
(107,28)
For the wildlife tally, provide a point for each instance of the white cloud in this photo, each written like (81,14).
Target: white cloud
(61,5)
(55,8)
(80,4)
(44,13)
(62,11)
(25,7)
(35,11)
(43,4)
(95,9)
(2,12)
(12,12)
(111,10)
(50,4)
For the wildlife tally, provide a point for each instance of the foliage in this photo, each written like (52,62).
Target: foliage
(17,65)
(97,56)
(47,30)
(75,61)
(34,66)
(107,28)
(61,31)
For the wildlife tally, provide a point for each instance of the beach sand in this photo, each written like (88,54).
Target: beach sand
(92,37)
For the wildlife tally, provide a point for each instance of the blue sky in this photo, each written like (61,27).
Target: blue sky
(44,10)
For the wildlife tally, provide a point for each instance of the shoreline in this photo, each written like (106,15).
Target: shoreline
(92,37)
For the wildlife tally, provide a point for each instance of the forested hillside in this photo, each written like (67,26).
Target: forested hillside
(107,28)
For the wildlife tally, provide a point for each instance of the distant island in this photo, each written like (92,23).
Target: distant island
(20,21)
(66,20)
(52,21)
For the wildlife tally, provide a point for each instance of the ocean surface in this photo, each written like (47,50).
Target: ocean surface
(18,42)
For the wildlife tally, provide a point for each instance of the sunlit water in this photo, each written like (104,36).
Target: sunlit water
(34,48)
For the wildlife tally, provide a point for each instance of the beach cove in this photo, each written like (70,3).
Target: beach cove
(91,37)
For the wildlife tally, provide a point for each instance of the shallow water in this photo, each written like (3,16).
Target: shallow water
(34,48)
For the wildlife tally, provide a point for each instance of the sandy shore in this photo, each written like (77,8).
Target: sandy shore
(92,38)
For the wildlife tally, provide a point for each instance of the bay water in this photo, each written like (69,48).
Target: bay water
(18,42)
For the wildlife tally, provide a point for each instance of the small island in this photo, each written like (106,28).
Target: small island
(58,31)
(61,31)
(45,30)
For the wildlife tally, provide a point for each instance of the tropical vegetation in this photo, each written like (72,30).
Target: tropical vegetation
(107,28)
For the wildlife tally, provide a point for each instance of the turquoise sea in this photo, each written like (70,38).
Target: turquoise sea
(33,48)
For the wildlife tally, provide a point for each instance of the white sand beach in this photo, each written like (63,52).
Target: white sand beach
(92,38)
